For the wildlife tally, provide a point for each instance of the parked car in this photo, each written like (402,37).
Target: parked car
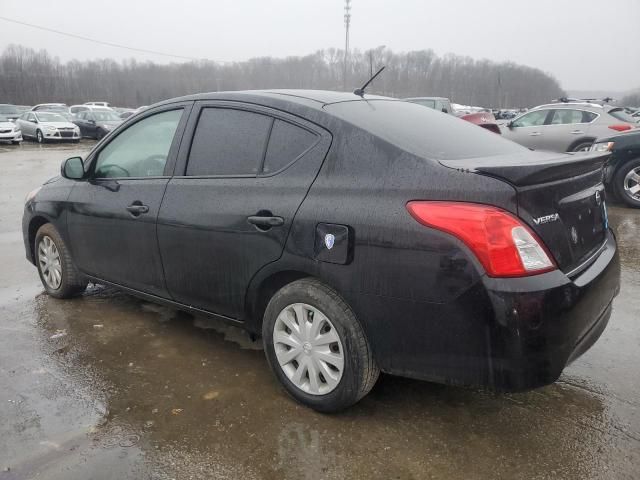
(566,127)
(44,126)
(356,235)
(622,172)
(59,108)
(98,104)
(97,123)
(10,132)
(437,103)
(8,113)
(484,120)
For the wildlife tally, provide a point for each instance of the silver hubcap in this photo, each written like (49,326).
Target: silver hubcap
(308,349)
(49,260)
(632,183)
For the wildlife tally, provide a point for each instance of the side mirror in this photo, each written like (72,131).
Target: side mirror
(72,168)
(510,125)
(444,110)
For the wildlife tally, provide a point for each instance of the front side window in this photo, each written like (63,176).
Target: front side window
(228,142)
(532,119)
(140,150)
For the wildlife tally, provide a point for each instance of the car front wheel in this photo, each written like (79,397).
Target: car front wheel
(39,137)
(58,273)
(316,347)
(627,183)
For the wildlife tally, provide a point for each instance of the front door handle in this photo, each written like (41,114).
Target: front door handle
(577,132)
(535,134)
(265,223)
(137,209)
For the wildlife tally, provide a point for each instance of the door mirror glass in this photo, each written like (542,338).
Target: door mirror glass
(72,168)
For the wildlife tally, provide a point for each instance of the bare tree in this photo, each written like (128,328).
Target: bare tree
(28,77)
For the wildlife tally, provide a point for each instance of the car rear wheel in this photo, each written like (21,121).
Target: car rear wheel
(100,135)
(316,347)
(627,183)
(58,273)
(39,137)
(582,147)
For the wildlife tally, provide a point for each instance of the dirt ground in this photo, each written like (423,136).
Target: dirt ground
(107,386)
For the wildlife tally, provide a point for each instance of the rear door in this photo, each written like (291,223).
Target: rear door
(567,128)
(242,174)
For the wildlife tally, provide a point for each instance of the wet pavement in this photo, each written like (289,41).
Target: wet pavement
(107,386)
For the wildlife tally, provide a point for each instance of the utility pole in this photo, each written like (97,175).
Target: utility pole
(347,22)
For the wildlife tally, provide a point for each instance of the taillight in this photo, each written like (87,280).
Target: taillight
(620,127)
(501,242)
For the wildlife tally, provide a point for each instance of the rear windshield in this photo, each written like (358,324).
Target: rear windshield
(423,131)
(621,114)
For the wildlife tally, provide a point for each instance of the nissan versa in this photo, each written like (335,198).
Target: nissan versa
(355,235)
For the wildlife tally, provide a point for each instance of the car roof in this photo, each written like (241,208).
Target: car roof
(426,98)
(310,98)
(573,105)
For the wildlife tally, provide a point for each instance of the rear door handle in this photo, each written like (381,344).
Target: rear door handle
(265,222)
(577,132)
(535,134)
(136,209)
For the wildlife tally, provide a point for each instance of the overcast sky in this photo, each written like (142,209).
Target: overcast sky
(585,44)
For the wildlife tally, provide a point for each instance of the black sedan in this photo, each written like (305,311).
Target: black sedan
(356,235)
(97,123)
(622,172)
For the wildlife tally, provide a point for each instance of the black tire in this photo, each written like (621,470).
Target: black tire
(100,135)
(619,183)
(360,371)
(582,146)
(39,137)
(75,141)
(15,142)
(72,282)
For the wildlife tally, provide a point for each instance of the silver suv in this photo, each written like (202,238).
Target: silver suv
(566,127)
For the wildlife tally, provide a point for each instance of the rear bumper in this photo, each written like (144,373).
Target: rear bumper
(11,137)
(505,334)
(545,322)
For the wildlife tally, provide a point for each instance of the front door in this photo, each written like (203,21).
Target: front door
(528,130)
(228,210)
(112,216)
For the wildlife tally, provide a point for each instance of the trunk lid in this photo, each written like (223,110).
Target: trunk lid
(560,197)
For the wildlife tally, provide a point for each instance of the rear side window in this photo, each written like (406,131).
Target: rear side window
(228,142)
(287,142)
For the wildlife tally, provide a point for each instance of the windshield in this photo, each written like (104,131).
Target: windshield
(423,131)
(106,116)
(8,109)
(50,117)
(621,114)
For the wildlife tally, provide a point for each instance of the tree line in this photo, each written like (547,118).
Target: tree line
(29,77)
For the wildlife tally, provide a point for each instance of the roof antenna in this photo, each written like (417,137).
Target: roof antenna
(360,91)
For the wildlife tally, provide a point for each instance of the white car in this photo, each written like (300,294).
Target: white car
(98,104)
(10,132)
(46,126)
(76,109)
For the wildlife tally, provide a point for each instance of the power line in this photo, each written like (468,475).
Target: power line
(101,42)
